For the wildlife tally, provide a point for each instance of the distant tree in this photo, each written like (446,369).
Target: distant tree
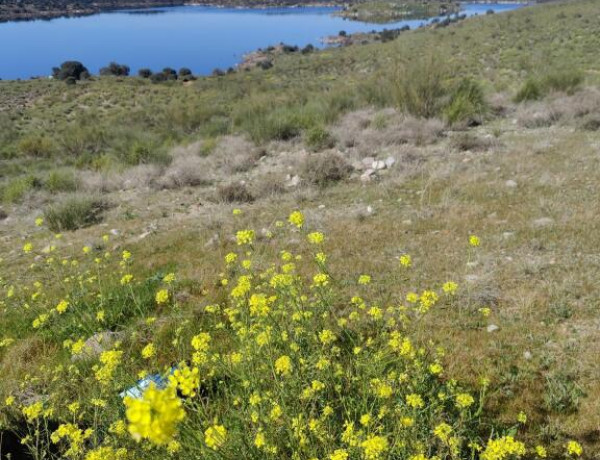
(170,74)
(114,69)
(70,69)
(343,33)
(265,65)
(158,77)
(184,72)
(289,48)
(490,11)
(145,73)
(218,73)
(308,49)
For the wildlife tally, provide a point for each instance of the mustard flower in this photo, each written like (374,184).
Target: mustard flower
(215,436)
(155,415)
(296,218)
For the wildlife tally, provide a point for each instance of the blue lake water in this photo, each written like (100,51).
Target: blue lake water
(201,38)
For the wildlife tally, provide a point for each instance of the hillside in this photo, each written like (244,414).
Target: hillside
(473,149)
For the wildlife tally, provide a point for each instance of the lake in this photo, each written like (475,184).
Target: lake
(198,37)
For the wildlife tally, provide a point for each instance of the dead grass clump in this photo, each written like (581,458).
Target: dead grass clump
(236,192)
(270,185)
(571,110)
(186,170)
(467,141)
(327,168)
(367,131)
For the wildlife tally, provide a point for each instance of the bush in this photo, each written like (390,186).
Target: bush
(36,146)
(74,70)
(116,70)
(145,73)
(530,91)
(324,169)
(419,87)
(318,138)
(467,104)
(235,193)
(74,212)
(61,181)
(567,81)
(16,189)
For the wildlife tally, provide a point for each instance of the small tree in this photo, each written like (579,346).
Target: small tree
(145,73)
(70,69)
(114,69)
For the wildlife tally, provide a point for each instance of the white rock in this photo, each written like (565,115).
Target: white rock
(508,235)
(114,232)
(511,183)
(367,175)
(294,181)
(321,206)
(369,210)
(543,222)
(378,164)
(390,161)
(368,161)
(492,328)
(527,355)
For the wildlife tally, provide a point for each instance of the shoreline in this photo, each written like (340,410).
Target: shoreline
(48,15)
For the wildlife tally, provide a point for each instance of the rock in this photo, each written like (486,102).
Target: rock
(378,165)
(367,175)
(97,344)
(389,162)
(370,210)
(492,328)
(527,355)
(407,222)
(511,183)
(213,241)
(508,235)
(114,232)
(321,206)
(543,222)
(294,181)
(368,161)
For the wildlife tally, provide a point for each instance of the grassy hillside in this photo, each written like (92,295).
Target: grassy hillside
(388,152)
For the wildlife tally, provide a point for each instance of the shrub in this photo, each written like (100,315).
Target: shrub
(74,212)
(61,181)
(567,80)
(235,193)
(419,87)
(318,138)
(467,104)
(531,90)
(36,146)
(468,141)
(145,73)
(116,70)
(324,169)
(562,394)
(16,189)
(74,70)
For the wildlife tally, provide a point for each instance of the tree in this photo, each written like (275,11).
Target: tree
(70,69)
(145,73)
(114,69)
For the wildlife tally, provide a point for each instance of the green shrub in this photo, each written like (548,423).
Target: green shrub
(419,87)
(235,193)
(318,138)
(74,212)
(567,80)
(15,190)
(562,394)
(532,90)
(61,180)
(467,104)
(36,146)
